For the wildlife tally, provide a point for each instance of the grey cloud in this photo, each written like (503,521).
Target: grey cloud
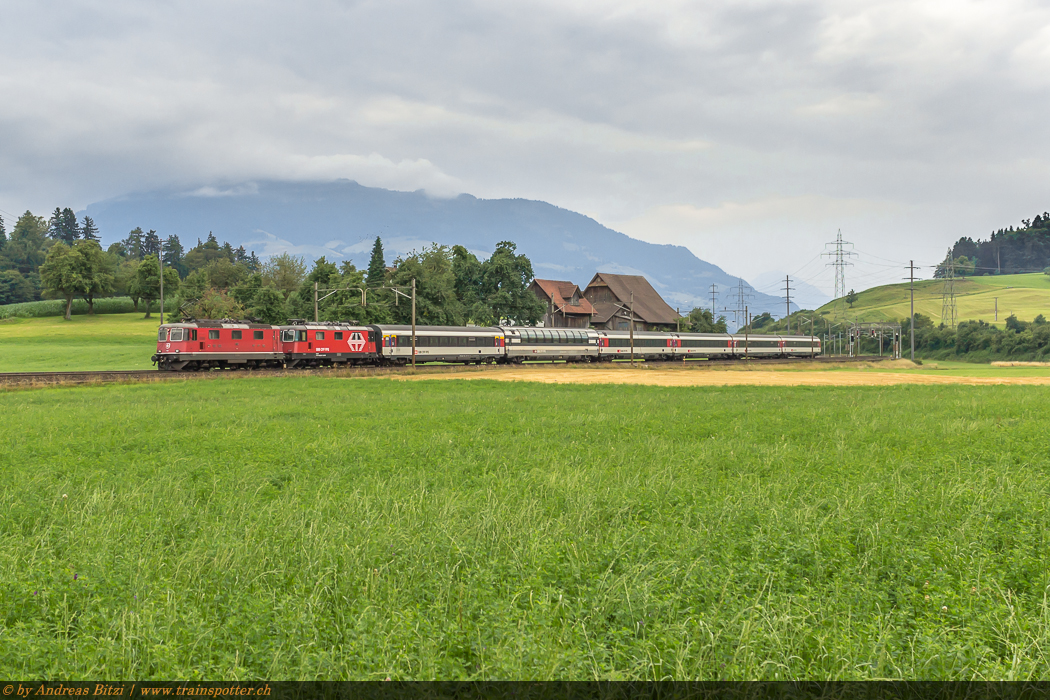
(620,110)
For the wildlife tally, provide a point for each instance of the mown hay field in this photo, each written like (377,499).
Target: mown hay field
(308,527)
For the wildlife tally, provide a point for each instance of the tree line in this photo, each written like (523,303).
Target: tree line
(453,287)
(1007,251)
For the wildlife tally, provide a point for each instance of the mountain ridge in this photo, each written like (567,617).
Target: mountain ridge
(340,220)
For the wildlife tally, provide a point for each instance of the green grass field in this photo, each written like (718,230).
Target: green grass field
(108,341)
(1025,296)
(302,527)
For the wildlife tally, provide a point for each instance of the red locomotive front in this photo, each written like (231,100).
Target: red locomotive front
(207,344)
(327,343)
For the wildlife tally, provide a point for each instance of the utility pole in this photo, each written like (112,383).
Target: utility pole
(714,293)
(747,330)
(997,309)
(632,329)
(315,302)
(787,290)
(948,308)
(160,261)
(911,278)
(840,263)
(413,323)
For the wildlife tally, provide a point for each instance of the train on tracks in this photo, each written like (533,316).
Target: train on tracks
(195,345)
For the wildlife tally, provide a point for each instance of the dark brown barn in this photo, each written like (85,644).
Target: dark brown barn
(566,307)
(611,297)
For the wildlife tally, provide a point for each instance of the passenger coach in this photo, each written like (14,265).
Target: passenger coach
(470,344)
(568,344)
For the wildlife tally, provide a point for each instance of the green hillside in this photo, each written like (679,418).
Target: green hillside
(1025,296)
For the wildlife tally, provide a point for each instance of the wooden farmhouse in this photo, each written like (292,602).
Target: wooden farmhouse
(611,296)
(566,306)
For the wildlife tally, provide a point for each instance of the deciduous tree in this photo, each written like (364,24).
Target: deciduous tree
(506,276)
(269,305)
(148,278)
(65,274)
(284,271)
(99,268)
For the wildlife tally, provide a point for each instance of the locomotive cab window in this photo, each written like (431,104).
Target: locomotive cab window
(257,335)
(193,334)
(213,335)
(176,335)
(300,336)
(287,336)
(236,335)
(162,335)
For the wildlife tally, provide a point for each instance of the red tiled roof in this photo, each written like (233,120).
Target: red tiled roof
(560,293)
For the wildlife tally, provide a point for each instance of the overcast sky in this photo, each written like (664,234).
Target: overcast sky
(748,131)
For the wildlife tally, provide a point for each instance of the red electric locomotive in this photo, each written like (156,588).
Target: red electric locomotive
(327,343)
(205,344)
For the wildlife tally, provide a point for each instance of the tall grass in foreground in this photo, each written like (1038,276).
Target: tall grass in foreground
(310,528)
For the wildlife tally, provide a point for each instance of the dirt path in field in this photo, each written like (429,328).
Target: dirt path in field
(730,376)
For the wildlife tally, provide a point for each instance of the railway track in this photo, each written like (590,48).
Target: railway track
(147,375)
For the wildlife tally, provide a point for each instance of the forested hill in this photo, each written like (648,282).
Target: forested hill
(1008,251)
(340,220)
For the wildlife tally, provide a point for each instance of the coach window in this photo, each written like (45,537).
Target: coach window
(236,335)
(162,335)
(176,335)
(257,335)
(338,335)
(213,335)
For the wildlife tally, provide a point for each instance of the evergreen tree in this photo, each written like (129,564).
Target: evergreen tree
(376,265)
(88,230)
(133,244)
(54,224)
(63,226)
(253,263)
(172,249)
(151,243)
(3,233)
